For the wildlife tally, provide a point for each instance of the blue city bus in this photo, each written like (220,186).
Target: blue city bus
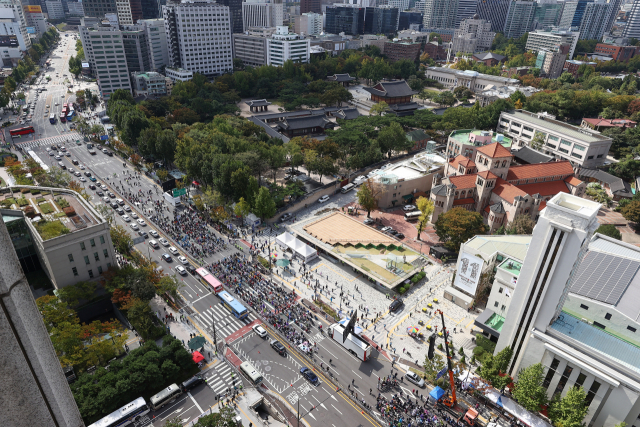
(233,305)
(70,115)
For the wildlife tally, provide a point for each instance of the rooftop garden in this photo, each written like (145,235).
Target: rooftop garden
(51,229)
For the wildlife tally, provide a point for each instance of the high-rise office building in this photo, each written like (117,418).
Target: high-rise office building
(632,29)
(14,23)
(284,46)
(402,5)
(157,42)
(205,48)
(98,8)
(308,24)
(381,20)
(35,18)
(36,390)
(136,48)
(573,12)
(151,9)
(466,10)
(235,8)
(494,11)
(407,19)
(440,13)
(552,41)
(110,68)
(262,13)
(519,18)
(314,6)
(547,14)
(344,18)
(595,20)
(474,35)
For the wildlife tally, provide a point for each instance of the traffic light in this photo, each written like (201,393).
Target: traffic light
(432,344)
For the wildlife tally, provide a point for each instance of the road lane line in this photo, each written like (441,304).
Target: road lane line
(336,409)
(195,403)
(356,374)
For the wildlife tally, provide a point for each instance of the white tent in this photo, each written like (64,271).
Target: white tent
(516,410)
(285,240)
(299,249)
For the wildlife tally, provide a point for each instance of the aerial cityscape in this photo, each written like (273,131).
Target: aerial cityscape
(373,213)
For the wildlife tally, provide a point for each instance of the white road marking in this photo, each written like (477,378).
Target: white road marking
(356,374)
(336,409)
(195,403)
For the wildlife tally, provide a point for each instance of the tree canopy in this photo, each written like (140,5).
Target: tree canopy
(458,225)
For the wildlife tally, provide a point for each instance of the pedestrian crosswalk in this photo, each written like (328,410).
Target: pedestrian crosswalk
(58,139)
(220,379)
(226,323)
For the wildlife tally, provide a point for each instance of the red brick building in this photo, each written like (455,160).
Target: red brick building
(618,53)
(396,51)
(573,65)
(435,51)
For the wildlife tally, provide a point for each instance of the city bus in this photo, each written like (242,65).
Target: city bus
(124,416)
(210,279)
(237,309)
(52,118)
(412,216)
(250,372)
(167,395)
(70,115)
(22,131)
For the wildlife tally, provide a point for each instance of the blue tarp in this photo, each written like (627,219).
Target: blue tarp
(437,393)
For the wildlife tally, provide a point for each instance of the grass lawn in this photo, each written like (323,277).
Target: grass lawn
(46,208)
(374,268)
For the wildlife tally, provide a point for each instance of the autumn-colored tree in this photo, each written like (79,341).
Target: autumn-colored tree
(121,298)
(135,159)
(518,105)
(457,226)
(631,211)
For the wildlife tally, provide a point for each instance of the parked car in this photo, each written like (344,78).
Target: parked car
(163,241)
(183,260)
(154,233)
(260,331)
(409,208)
(308,374)
(167,257)
(396,305)
(173,250)
(286,216)
(369,221)
(323,199)
(181,270)
(277,346)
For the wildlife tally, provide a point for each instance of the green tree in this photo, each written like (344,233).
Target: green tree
(521,224)
(121,239)
(493,366)
(570,410)
(369,194)
(537,143)
(378,109)
(609,230)
(393,139)
(242,208)
(426,209)
(169,285)
(457,226)
(528,390)
(265,206)
(223,418)
(631,212)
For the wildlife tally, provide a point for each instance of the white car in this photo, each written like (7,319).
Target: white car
(173,250)
(106,200)
(181,270)
(154,233)
(134,226)
(81,167)
(83,179)
(163,241)
(126,218)
(323,199)
(154,244)
(183,260)
(414,378)
(141,222)
(260,331)
(134,215)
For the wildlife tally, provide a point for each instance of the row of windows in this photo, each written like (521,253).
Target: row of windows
(90,271)
(86,257)
(607,316)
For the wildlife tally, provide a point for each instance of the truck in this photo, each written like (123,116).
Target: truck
(354,343)
(173,201)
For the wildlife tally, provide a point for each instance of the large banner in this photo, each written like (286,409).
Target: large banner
(469,271)
(33,9)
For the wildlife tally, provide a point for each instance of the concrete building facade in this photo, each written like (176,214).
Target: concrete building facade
(99,8)
(205,48)
(397,50)
(149,84)
(440,13)
(494,12)
(251,49)
(552,40)
(473,80)
(308,24)
(474,35)
(582,147)
(157,42)
(284,46)
(632,28)
(519,18)
(262,13)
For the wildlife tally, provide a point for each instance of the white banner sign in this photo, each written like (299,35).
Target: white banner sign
(469,271)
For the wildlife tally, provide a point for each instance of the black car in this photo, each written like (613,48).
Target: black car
(399,236)
(277,346)
(75,162)
(143,233)
(87,174)
(91,186)
(395,306)
(113,196)
(114,205)
(100,193)
(190,268)
(195,380)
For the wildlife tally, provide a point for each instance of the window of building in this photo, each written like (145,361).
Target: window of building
(500,290)
(496,304)
(599,325)
(95,255)
(108,265)
(75,271)
(590,157)
(86,260)
(592,392)
(580,379)
(584,307)
(563,150)
(105,253)
(102,240)
(607,316)
(579,147)
(82,246)
(599,156)
(563,380)
(631,328)
(70,257)
(576,155)
(550,373)
(93,242)
(91,274)
(99,269)
(563,142)
(553,138)
(551,146)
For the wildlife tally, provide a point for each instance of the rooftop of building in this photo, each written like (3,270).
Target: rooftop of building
(549,122)
(620,123)
(495,150)
(545,189)
(470,73)
(488,55)
(528,155)
(514,246)
(577,62)
(511,266)
(419,165)
(391,89)
(52,211)
(540,170)
(618,186)
(462,136)
(505,92)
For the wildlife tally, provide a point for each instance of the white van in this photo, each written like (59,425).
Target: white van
(347,188)
(154,244)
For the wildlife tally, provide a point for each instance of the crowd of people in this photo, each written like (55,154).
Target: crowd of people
(400,410)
